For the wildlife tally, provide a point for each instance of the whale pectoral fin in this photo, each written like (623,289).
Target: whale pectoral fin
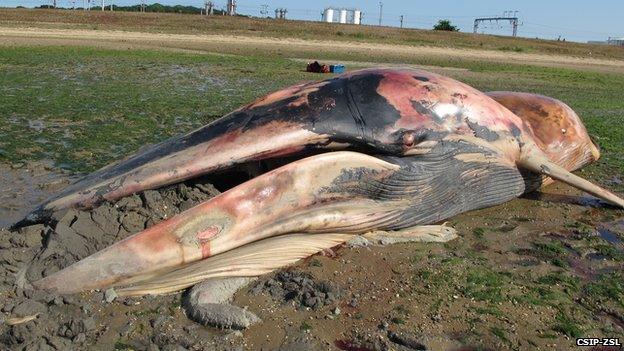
(422,233)
(270,254)
(534,160)
(250,260)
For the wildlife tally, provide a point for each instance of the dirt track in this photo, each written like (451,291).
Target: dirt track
(240,44)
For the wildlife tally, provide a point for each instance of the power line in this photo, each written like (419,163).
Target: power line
(568,29)
(264,10)
(506,17)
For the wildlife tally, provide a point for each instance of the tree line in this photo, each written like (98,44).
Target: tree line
(155,7)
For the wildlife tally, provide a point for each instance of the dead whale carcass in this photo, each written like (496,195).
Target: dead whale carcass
(379,149)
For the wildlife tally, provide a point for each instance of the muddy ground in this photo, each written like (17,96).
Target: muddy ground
(531,274)
(28,183)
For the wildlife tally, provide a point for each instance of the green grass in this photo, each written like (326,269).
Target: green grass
(316,263)
(571,283)
(489,310)
(120,345)
(83,107)
(553,248)
(582,229)
(608,288)
(490,292)
(512,48)
(553,251)
(484,284)
(143,312)
(478,232)
(397,320)
(500,333)
(304,327)
(608,251)
(402,309)
(567,325)
(436,278)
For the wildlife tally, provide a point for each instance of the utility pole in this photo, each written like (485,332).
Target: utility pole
(102,5)
(231,7)
(401,18)
(264,10)
(506,17)
(209,8)
(54,3)
(280,13)
(380,11)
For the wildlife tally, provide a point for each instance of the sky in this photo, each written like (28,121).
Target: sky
(573,20)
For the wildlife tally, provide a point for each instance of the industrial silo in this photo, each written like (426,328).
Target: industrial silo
(357,17)
(328,15)
(343,16)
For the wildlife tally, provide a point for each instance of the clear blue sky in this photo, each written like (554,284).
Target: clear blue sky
(575,20)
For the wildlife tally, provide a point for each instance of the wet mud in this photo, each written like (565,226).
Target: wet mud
(27,184)
(86,320)
(300,289)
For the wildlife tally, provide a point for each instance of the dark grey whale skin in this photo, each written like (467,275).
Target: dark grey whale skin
(347,110)
(438,185)
(343,123)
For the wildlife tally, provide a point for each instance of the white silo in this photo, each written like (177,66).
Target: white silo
(328,15)
(357,17)
(343,16)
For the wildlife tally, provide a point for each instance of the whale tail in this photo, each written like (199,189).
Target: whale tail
(533,159)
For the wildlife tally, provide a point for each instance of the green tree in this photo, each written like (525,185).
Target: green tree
(445,25)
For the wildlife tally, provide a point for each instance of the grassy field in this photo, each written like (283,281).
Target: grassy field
(84,107)
(195,24)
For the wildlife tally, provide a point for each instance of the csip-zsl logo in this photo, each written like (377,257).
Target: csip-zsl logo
(598,342)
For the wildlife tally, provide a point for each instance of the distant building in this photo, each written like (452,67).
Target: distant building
(342,15)
(610,41)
